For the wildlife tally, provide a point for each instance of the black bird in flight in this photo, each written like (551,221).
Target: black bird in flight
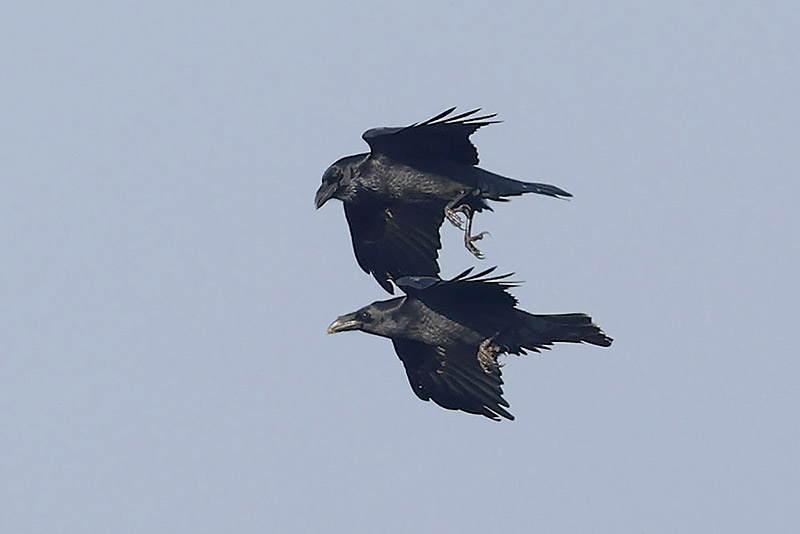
(397,195)
(449,333)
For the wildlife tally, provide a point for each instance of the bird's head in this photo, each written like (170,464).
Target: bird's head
(337,181)
(378,318)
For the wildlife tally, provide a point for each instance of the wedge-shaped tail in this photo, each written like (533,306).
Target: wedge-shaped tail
(495,187)
(535,332)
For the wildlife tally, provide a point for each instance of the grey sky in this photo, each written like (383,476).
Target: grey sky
(166,282)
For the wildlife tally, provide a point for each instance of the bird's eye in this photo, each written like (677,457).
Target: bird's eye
(332,176)
(365,316)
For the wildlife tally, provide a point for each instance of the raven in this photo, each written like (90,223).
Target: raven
(397,195)
(449,333)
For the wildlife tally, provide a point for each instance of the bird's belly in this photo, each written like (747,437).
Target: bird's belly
(418,187)
(442,331)
(409,184)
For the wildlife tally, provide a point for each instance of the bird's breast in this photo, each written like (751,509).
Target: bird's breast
(409,184)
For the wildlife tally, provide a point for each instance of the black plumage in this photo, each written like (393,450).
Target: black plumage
(397,195)
(449,334)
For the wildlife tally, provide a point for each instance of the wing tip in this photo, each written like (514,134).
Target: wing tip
(462,118)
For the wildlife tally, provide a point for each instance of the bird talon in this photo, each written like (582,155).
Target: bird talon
(454,219)
(452,214)
(473,249)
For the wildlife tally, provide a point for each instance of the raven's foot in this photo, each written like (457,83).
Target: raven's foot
(470,239)
(454,207)
(487,355)
(452,214)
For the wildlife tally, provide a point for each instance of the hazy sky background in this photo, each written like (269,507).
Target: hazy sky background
(166,283)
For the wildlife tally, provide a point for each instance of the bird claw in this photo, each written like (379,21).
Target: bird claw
(452,216)
(468,240)
(475,252)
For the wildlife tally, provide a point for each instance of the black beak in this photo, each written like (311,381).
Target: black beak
(324,194)
(344,323)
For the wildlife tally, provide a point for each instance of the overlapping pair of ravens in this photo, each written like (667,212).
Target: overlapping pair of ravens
(447,333)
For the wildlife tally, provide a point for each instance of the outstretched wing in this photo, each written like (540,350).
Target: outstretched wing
(394,241)
(455,377)
(439,137)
